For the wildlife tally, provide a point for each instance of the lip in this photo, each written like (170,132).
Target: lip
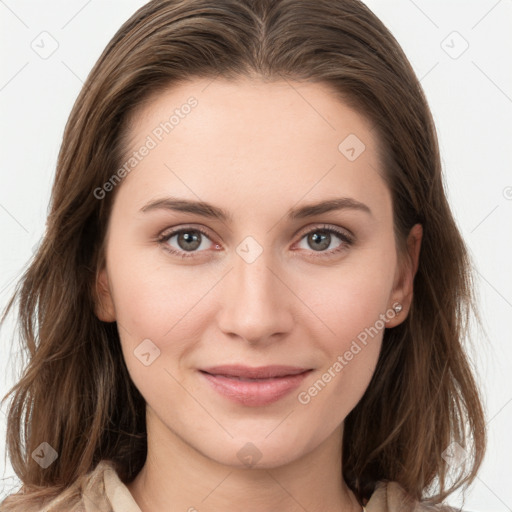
(254,386)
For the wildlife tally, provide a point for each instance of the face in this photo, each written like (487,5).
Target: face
(288,300)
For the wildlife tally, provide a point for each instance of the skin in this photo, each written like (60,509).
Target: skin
(256,150)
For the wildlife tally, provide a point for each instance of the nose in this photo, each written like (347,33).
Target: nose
(256,302)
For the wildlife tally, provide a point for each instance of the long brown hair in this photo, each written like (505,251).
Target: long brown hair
(76,393)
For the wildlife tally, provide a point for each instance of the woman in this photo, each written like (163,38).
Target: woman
(251,292)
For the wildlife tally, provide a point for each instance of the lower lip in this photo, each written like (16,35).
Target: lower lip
(258,392)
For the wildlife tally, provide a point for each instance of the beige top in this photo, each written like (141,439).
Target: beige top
(101,490)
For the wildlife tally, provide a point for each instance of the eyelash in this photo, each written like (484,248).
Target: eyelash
(346,239)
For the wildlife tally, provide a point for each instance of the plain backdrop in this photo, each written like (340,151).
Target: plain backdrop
(461,51)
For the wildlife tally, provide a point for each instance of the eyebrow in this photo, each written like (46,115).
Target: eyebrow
(214,212)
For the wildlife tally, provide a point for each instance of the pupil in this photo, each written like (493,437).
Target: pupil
(320,241)
(187,241)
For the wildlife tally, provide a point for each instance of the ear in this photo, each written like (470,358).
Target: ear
(104,305)
(404,278)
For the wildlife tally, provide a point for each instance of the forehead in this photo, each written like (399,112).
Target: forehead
(302,109)
(229,140)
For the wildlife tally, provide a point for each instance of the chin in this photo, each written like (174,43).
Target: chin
(256,452)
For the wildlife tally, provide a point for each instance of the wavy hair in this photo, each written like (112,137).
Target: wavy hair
(75,392)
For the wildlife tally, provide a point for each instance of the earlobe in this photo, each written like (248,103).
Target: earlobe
(403,289)
(104,305)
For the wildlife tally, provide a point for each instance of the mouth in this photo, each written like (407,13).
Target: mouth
(254,386)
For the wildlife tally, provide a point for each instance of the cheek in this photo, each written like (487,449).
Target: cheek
(351,298)
(157,324)
(152,297)
(353,305)
(157,315)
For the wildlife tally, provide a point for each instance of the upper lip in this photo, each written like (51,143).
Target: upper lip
(259,372)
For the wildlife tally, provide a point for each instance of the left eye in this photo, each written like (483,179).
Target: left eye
(320,239)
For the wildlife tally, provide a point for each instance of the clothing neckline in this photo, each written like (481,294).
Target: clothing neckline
(122,500)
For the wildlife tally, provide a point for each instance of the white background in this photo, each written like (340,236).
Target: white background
(470,96)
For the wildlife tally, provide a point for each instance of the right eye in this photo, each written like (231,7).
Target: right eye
(184,242)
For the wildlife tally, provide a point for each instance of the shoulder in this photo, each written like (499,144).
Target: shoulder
(392,497)
(100,490)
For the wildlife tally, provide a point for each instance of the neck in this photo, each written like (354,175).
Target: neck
(177,477)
